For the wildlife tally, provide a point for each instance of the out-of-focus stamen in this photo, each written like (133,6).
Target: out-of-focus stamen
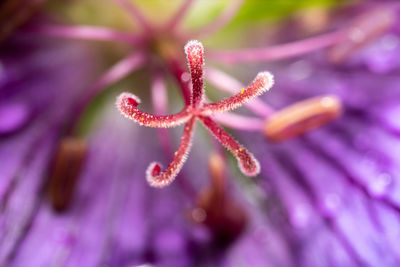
(65,172)
(229,84)
(262,83)
(224,18)
(178,16)
(160,103)
(195,56)
(364,29)
(247,163)
(179,73)
(217,167)
(154,175)
(240,122)
(127,104)
(118,71)
(159,93)
(281,51)
(302,117)
(135,12)
(85,33)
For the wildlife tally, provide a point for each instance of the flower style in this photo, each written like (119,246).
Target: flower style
(197,110)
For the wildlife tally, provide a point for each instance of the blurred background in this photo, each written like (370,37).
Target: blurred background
(73,189)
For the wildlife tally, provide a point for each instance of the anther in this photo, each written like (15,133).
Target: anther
(302,117)
(217,210)
(65,172)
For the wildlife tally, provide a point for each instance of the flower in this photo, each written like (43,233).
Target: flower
(325,195)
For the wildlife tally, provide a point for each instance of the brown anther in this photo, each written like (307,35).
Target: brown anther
(302,117)
(65,172)
(225,218)
(218,211)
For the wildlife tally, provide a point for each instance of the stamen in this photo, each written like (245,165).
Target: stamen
(262,83)
(217,172)
(65,172)
(281,51)
(159,96)
(135,12)
(118,71)
(86,33)
(302,117)
(195,56)
(179,73)
(154,175)
(247,163)
(240,122)
(127,104)
(364,29)
(224,18)
(178,16)
(217,210)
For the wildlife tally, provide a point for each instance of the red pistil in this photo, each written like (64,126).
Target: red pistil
(262,83)
(127,103)
(154,175)
(247,163)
